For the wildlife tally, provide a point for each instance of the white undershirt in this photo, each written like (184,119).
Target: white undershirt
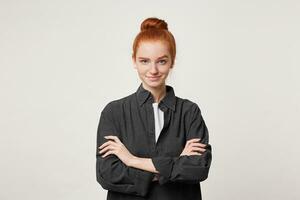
(159,119)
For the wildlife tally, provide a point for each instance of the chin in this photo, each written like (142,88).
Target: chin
(154,84)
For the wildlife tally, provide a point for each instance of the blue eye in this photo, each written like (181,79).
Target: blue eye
(163,61)
(143,61)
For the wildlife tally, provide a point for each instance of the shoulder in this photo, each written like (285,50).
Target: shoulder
(117,104)
(188,105)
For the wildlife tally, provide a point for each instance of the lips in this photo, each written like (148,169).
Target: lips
(153,78)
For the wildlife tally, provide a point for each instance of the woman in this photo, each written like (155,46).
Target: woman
(152,144)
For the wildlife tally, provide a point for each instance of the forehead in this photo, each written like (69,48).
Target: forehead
(152,49)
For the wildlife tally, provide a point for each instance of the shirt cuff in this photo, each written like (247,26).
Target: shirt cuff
(143,181)
(164,165)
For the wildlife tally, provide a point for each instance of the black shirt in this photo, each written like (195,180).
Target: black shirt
(131,118)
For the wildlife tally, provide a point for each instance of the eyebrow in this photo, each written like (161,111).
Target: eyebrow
(157,59)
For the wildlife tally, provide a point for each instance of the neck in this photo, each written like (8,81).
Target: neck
(158,92)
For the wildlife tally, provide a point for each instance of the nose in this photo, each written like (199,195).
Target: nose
(153,69)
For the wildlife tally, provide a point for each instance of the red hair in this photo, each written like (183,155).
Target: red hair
(154,29)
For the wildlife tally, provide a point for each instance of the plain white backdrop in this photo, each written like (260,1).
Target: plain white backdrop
(62,61)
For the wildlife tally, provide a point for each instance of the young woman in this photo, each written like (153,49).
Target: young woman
(152,144)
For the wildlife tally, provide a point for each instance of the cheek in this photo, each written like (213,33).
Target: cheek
(141,70)
(165,71)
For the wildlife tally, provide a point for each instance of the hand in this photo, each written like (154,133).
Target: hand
(193,147)
(115,146)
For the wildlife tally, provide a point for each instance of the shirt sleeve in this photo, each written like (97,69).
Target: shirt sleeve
(112,174)
(187,169)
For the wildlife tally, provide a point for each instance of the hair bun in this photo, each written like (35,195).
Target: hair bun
(153,23)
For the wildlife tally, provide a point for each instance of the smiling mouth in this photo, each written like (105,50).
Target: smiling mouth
(153,77)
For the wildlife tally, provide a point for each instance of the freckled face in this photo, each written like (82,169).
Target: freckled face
(153,63)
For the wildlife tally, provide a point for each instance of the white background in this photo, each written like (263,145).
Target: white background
(62,61)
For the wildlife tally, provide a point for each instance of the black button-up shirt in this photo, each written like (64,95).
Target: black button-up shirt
(132,119)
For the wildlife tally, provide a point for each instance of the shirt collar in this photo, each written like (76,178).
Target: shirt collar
(169,99)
